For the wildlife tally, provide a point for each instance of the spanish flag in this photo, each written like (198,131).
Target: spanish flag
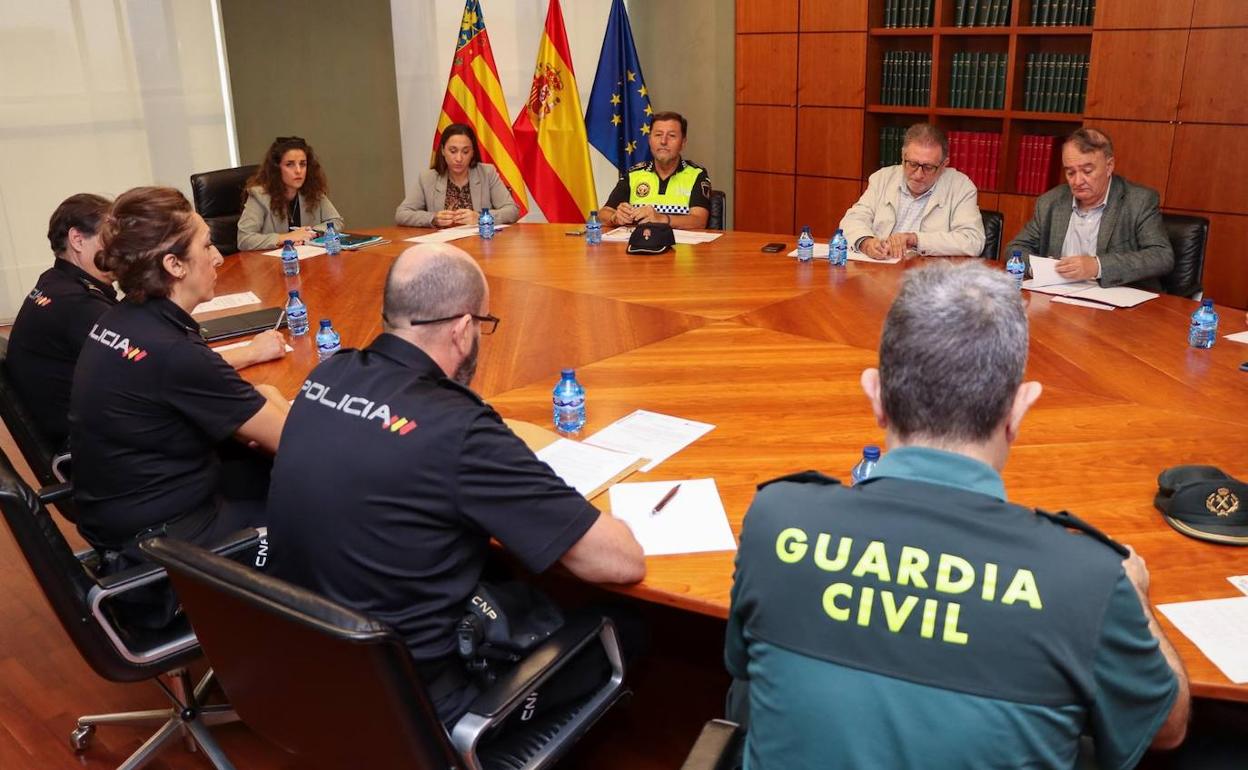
(474,96)
(550,132)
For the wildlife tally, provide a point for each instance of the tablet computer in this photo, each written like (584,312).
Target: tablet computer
(242,323)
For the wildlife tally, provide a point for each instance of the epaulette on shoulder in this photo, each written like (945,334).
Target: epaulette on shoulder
(694,165)
(1069,520)
(805,477)
(639,166)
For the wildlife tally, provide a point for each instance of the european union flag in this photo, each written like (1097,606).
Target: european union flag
(617,120)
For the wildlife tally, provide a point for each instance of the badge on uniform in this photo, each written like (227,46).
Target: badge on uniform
(643,189)
(651,239)
(1204,502)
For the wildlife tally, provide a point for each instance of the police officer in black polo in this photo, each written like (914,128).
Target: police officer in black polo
(394,475)
(667,189)
(918,619)
(152,405)
(53,321)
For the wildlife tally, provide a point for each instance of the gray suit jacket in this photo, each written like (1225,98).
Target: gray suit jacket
(428,197)
(1131,243)
(258,228)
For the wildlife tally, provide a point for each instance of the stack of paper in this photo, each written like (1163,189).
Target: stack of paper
(233,345)
(305,251)
(587,469)
(653,436)
(692,521)
(227,301)
(821,252)
(449,234)
(1218,627)
(1046,280)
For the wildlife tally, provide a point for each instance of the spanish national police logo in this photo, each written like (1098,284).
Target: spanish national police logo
(643,189)
(1223,502)
(646,233)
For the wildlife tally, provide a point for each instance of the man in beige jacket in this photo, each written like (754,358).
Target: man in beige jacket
(918,207)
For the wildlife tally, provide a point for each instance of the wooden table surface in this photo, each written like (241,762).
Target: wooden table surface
(770,351)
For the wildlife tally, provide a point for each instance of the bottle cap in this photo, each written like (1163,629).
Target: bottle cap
(294,293)
(567,372)
(871,452)
(325,324)
(1016,253)
(593,213)
(839,231)
(289,244)
(1206,302)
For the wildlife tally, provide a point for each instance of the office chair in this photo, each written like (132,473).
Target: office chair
(219,200)
(1188,237)
(116,650)
(994,223)
(719,202)
(49,466)
(338,689)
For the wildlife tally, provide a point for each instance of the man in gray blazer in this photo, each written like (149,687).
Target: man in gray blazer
(1102,226)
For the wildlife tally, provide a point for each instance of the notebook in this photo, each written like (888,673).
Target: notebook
(243,323)
(350,241)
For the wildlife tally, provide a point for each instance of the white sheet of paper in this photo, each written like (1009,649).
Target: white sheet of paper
(449,234)
(1241,337)
(1218,627)
(1083,303)
(305,251)
(651,435)
(232,345)
(622,234)
(1044,272)
(1118,296)
(693,521)
(821,252)
(227,301)
(584,467)
(1240,582)
(1059,289)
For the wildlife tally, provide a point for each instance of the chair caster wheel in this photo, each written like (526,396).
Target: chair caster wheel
(80,739)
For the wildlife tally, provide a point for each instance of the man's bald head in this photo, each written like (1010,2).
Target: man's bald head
(432,280)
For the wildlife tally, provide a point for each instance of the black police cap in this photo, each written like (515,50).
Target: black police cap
(651,239)
(1204,502)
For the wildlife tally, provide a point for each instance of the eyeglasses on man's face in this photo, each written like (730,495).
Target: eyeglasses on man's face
(488,322)
(926,168)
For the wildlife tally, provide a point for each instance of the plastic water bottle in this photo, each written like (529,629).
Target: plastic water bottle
(805,245)
(838,249)
(290,258)
(333,242)
(866,466)
(327,340)
(593,229)
(1204,329)
(1015,267)
(568,401)
(485,225)
(296,315)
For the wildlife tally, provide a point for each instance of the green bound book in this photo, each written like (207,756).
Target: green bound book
(1047,65)
(998,101)
(1065,17)
(957,73)
(1029,84)
(959,13)
(1035,12)
(1083,84)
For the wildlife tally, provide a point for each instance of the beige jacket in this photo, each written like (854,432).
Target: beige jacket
(428,197)
(259,229)
(950,226)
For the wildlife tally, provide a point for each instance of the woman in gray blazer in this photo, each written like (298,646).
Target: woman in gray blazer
(285,198)
(457,186)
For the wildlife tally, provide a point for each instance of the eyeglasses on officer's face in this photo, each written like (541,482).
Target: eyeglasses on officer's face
(926,168)
(488,322)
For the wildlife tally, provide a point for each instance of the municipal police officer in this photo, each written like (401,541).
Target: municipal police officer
(668,189)
(919,619)
(394,475)
(53,321)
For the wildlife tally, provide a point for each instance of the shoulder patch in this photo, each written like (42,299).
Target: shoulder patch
(1069,521)
(805,477)
(693,165)
(639,166)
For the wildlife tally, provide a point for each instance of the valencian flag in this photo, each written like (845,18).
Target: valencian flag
(474,96)
(618,117)
(554,154)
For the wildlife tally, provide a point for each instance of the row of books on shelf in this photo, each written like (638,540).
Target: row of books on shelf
(1037,159)
(977,80)
(908,13)
(906,78)
(981,13)
(1055,82)
(976,154)
(1062,13)
(890,144)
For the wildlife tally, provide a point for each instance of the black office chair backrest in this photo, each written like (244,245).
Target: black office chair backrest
(994,223)
(29,437)
(331,685)
(219,200)
(1188,236)
(719,202)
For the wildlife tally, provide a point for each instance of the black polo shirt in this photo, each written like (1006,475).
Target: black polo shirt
(47,336)
(390,482)
(151,401)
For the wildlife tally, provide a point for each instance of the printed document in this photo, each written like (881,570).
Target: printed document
(450,234)
(305,251)
(227,301)
(232,345)
(822,249)
(1218,627)
(1241,337)
(692,521)
(587,469)
(653,436)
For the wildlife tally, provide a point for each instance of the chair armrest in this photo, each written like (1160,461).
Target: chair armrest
(537,667)
(54,492)
(716,747)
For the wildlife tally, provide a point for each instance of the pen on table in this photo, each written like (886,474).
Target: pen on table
(280,317)
(661,504)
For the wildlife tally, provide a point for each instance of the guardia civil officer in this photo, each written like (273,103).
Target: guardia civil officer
(55,317)
(667,189)
(918,619)
(153,408)
(394,475)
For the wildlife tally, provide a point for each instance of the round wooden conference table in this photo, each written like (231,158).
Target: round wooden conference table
(770,351)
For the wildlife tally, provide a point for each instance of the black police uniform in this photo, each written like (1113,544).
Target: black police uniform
(391,481)
(151,404)
(47,337)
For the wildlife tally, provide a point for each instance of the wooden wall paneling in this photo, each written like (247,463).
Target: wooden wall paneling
(822,202)
(1220,13)
(1215,77)
(833,16)
(1017,210)
(764,202)
(832,69)
(767,69)
(829,141)
(1200,177)
(1226,266)
(1141,150)
(765,138)
(766,15)
(1143,14)
(989,200)
(1136,74)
